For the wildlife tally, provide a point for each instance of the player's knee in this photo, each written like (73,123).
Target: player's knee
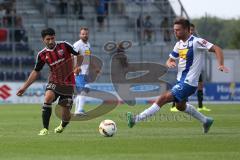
(163,99)
(47,105)
(49,99)
(181,107)
(67,102)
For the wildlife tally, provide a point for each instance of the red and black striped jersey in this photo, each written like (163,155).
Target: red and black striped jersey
(60,62)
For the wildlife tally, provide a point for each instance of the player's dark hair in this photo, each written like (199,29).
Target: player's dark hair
(183,22)
(192,25)
(47,31)
(83,28)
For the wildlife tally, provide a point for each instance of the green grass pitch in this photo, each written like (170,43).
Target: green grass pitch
(167,136)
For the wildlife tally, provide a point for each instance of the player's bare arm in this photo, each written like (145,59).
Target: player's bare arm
(79,60)
(32,77)
(77,68)
(220,58)
(171,63)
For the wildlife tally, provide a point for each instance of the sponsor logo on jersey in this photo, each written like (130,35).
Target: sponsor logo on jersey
(87,52)
(183,53)
(60,52)
(58,61)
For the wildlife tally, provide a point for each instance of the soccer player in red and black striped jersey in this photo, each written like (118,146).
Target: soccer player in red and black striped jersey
(58,56)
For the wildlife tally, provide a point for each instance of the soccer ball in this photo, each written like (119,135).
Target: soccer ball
(107,128)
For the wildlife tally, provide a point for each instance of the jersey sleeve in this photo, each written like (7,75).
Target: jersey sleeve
(203,44)
(78,47)
(174,54)
(40,62)
(71,48)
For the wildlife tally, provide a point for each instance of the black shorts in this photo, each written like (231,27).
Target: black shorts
(200,78)
(64,93)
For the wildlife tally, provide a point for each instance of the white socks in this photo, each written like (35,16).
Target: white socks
(80,101)
(191,110)
(147,112)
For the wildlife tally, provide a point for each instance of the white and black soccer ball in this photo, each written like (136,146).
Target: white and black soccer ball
(107,128)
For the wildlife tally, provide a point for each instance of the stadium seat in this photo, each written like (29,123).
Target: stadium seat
(8,61)
(22,47)
(3,34)
(1,60)
(24,61)
(9,76)
(5,47)
(27,61)
(2,76)
(17,61)
(31,61)
(19,76)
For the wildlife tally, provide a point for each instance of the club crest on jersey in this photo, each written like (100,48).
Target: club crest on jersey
(60,52)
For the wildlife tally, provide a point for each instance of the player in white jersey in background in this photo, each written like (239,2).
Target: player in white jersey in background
(81,76)
(201,107)
(189,52)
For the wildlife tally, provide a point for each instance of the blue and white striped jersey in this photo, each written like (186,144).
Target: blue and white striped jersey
(190,56)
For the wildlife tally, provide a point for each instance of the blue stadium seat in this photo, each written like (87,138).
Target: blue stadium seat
(8,61)
(19,76)
(17,61)
(27,61)
(5,47)
(9,76)
(2,76)
(1,60)
(22,47)
(31,61)
(24,61)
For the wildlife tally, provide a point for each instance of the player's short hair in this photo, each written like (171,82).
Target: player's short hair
(83,28)
(192,25)
(47,31)
(183,22)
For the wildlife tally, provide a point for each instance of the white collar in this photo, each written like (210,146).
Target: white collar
(84,42)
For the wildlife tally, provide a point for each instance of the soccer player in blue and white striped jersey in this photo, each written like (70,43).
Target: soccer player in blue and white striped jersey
(189,52)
